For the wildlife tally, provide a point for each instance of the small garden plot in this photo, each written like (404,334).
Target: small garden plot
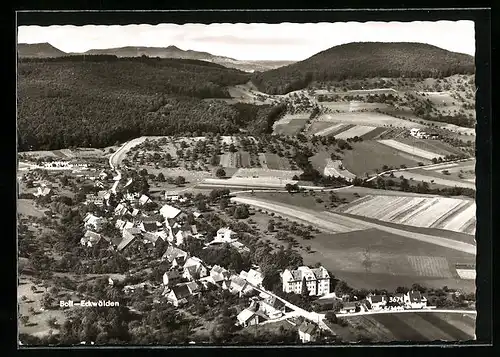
(293,127)
(358,130)
(266,173)
(369,156)
(27,207)
(370,119)
(375,133)
(412,150)
(415,211)
(434,267)
(275,162)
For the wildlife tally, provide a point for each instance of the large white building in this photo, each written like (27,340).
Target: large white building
(316,280)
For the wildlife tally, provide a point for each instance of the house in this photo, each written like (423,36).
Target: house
(121,210)
(93,222)
(317,280)
(194,269)
(178,295)
(148,226)
(272,307)
(254,277)
(377,302)
(90,239)
(43,191)
(161,234)
(224,235)
(171,276)
(349,307)
(308,332)
(414,132)
(248,317)
(144,199)
(414,300)
(103,175)
(120,224)
(197,215)
(91,198)
(171,197)
(150,238)
(238,285)
(219,274)
(129,234)
(135,212)
(175,256)
(169,212)
(180,237)
(193,287)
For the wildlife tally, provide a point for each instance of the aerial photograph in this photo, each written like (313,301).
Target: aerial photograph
(246,184)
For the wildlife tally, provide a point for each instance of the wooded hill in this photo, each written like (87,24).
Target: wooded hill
(99,100)
(360,60)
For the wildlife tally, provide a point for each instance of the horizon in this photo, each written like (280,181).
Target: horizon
(287,42)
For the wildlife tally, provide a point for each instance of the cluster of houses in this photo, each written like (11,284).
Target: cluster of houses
(64,164)
(420,134)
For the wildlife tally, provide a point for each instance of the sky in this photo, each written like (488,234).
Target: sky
(285,41)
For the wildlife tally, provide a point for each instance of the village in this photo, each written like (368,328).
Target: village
(142,224)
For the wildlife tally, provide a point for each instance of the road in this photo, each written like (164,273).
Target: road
(314,218)
(408,311)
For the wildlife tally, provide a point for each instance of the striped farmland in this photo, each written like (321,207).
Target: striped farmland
(358,130)
(410,149)
(428,212)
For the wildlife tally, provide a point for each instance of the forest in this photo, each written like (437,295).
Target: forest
(97,101)
(365,60)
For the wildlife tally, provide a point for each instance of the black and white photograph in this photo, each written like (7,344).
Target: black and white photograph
(246,183)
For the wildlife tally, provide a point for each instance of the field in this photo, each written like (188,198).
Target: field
(235,159)
(27,207)
(370,119)
(291,127)
(436,212)
(266,173)
(333,168)
(416,326)
(412,150)
(430,145)
(358,130)
(273,162)
(368,156)
(333,129)
(435,177)
(375,133)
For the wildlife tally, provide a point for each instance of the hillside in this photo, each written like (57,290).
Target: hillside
(365,60)
(175,52)
(38,50)
(98,100)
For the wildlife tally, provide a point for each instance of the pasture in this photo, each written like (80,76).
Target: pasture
(273,161)
(369,119)
(292,127)
(433,212)
(434,146)
(416,326)
(335,168)
(368,156)
(26,207)
(409,149)
(435,177)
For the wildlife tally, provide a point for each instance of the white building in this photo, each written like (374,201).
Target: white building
(93,222)
(224,235)
(377,302)
(254,277)
(169,212)
(415,300)
(316,280)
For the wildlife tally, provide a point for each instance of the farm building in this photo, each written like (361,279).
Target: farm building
(175,256)
(219,274)
(254,277)
(248,317)
(178,295)
(129,235)
(90,239)
(144,199)
(171,276)
(93,222)
(349,307)
(272,307)
(415,300)
(194,269)
(316,280)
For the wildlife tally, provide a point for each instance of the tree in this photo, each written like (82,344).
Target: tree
(220,173)
(270,227)
(160,177)
(331,317)
(47,301)
(180,180)
(52,323)
(241,212)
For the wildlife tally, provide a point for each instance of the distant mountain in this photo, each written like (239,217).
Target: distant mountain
(365,60)
(38,50)
(175,52)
